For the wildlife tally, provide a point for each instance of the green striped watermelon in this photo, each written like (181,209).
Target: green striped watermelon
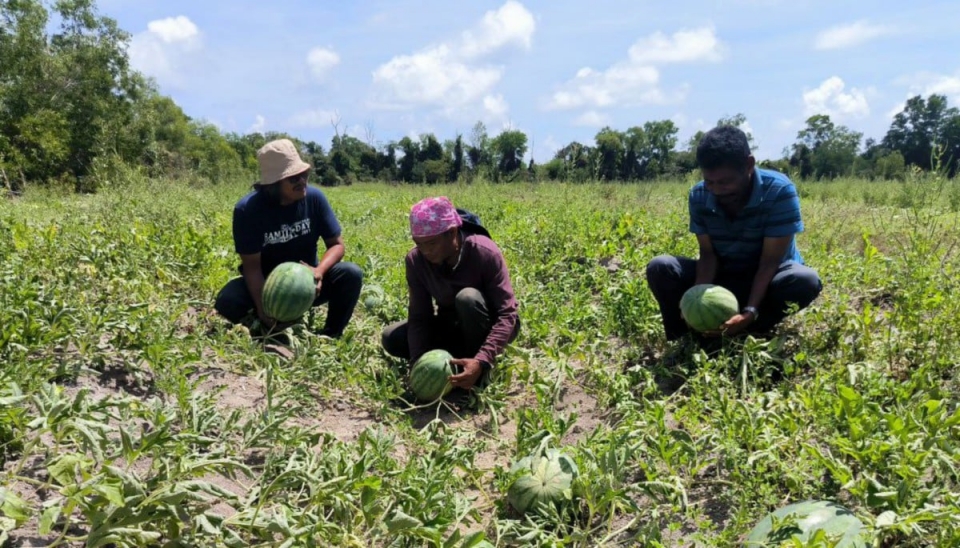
(374,297)
(706,307)
(289,292)
(429,375)
(546,477)
(801,521)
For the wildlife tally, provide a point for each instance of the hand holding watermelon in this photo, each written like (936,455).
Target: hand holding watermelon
(733,326)
(712,310)
(266,321)
(317,277)
(472,371)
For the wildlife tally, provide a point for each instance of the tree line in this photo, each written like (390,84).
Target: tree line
(73,111)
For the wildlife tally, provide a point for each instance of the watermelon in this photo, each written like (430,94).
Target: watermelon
(706,307)
(546,477)
(374,297)
(803,520)
(289,292)
(429,375)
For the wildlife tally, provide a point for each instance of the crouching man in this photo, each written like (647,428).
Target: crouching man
(456,265)
(746,220)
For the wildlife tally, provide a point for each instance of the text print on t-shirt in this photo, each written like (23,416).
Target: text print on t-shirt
(287,233)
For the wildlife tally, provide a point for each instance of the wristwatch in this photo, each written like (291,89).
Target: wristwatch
(753,310)
(484,366)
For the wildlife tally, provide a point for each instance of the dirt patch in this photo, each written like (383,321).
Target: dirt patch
(234,487)
(28,534)
(575,399)
(188,322)
(337,415)
(233,391)
(343,420)
(113,380)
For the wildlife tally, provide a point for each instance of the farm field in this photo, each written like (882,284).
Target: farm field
(130,415)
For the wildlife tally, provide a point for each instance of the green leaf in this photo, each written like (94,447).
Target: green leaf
(401,522)
(48,518)
(887,519)
(6,525)
(13,506)
(112,492)
(65,468)
(476,539)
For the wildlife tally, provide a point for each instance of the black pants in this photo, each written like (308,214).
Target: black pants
(461,331)
(669,277)
(341,289)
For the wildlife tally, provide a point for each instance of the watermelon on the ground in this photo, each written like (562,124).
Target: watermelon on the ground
(289,292)
(546,477)
(706,307)
(429,377)
(373,298)
(803,520)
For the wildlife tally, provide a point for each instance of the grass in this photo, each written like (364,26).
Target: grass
(132,416)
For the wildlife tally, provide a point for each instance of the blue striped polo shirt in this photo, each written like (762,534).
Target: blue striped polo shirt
(772,211)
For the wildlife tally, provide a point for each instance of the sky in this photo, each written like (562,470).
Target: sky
(557,70)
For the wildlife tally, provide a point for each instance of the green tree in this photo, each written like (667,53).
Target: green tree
(575,158)
(479,152)
(922,125)
(409,162)
(660,141)
(824,149)
(457,167)
(610,154)
(508,149)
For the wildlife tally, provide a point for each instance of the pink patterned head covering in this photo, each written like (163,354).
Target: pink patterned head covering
(432,216)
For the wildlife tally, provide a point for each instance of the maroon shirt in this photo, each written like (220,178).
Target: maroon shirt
(481,267)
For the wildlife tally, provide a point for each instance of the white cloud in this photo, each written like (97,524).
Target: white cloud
(636,80)
(853,34)
(592,118)
(165,48)
(450,76)
(928,83)
(683,47)
(435,76)
(511,24)
(831,99)
(313,118)
(925,84)
(495,105)
(174,29)
(621,84)
(321,61)
(259,124)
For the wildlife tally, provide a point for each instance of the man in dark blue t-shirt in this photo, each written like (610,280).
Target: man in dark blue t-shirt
(281,220)
(745,220)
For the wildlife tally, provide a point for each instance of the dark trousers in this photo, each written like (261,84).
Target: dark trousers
(341,289)
(460,331)
(669,277)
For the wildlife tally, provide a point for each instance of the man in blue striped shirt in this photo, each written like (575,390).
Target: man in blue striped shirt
(745,219)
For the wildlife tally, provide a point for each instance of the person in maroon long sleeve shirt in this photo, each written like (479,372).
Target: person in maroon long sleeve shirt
(459,267)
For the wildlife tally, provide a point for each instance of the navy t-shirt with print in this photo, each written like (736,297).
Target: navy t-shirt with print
(283,233)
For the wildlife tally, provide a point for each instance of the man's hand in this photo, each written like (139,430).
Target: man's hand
(266,321)
(472,371)
(317,276)
(733,326)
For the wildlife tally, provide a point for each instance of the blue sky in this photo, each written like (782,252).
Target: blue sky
(557,70)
